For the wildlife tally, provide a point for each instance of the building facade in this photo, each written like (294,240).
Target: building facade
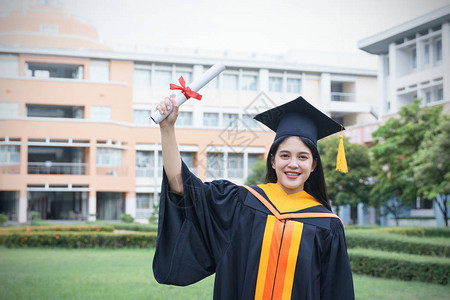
(414,62)
(76,139)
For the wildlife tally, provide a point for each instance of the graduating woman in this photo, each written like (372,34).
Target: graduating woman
(277,240)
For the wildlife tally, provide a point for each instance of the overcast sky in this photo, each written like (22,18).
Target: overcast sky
(266,26)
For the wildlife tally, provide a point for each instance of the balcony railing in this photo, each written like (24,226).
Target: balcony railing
(342,97)
(214,173)
(10,169)
(50,167)
(236,173)
(145,172)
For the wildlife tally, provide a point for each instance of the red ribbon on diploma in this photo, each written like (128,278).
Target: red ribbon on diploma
(185,89)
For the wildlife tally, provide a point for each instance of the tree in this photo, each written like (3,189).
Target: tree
(396,142)
(431,165)
(258,174)
(350,188)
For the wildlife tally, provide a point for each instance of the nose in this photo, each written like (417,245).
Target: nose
(293,163)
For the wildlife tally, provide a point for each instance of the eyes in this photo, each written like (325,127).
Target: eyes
(300,156)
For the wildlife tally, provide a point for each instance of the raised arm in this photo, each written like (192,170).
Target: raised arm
(171,155)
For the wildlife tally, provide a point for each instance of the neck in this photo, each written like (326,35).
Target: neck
(291,191)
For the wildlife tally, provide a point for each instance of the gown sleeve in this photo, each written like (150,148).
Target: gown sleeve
(336,274)
(194,229)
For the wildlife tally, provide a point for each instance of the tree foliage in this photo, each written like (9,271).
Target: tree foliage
(258,174)
(346,188)
(396,143)
(431,165)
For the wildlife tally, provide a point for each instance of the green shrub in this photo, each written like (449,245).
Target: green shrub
(400,266)
(127,218)
(397,243)
(3,219)
(77,239)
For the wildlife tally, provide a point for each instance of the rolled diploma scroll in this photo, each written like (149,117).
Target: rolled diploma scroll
(195,86)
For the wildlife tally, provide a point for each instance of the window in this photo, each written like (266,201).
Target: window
(427,54)
(214,165)
(184,119)
(160,163)
(144,159)
(9,65)
(337,91)
(229,82)
(142,77)
(438,50)
(229,120)
(414,58)
(294,85)
(53,70)
(275,84)
(252,158)
(49,28)
(143,200)
(235,165)
(142,117)
(186,75)
(162,78)
(9,155)
(9,110)
(250,122)
(99,70)
(107,157)
(440,94)
(54,111)
(210,119)
(100,113)
(428,97)
(249,83)
(188,158)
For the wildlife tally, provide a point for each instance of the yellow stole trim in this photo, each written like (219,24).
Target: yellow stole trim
(288,202)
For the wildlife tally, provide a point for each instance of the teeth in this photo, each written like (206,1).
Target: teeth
(292,174)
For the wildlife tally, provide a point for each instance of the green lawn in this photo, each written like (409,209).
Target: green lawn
(127,274)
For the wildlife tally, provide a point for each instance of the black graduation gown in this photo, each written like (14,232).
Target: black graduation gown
(219,227)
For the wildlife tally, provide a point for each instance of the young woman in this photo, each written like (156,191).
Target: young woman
(277,240)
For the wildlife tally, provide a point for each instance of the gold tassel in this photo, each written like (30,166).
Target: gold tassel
(341,162)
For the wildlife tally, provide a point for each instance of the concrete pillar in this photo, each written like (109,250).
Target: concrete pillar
(361,214)
(197,114)
(446,59)
(130,204)
(263,84)
(246,170)
(382,78)
(325,92)
(92,205)
(23,206)
(372,216)
(344,214)
(391,92)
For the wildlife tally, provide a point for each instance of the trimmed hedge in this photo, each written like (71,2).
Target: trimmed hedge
(400,266)
(78,228)
(77,239)
(416,231)
(397,243)
(129,226)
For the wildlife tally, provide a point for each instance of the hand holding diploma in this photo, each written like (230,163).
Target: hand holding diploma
(189,91)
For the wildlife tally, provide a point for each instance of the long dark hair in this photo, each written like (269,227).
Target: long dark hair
(315,184)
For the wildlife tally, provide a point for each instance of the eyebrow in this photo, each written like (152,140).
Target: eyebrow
(286,151)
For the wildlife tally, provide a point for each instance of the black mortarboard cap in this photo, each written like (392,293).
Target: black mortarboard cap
(299,118)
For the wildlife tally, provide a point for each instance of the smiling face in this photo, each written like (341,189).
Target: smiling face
(293,163)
